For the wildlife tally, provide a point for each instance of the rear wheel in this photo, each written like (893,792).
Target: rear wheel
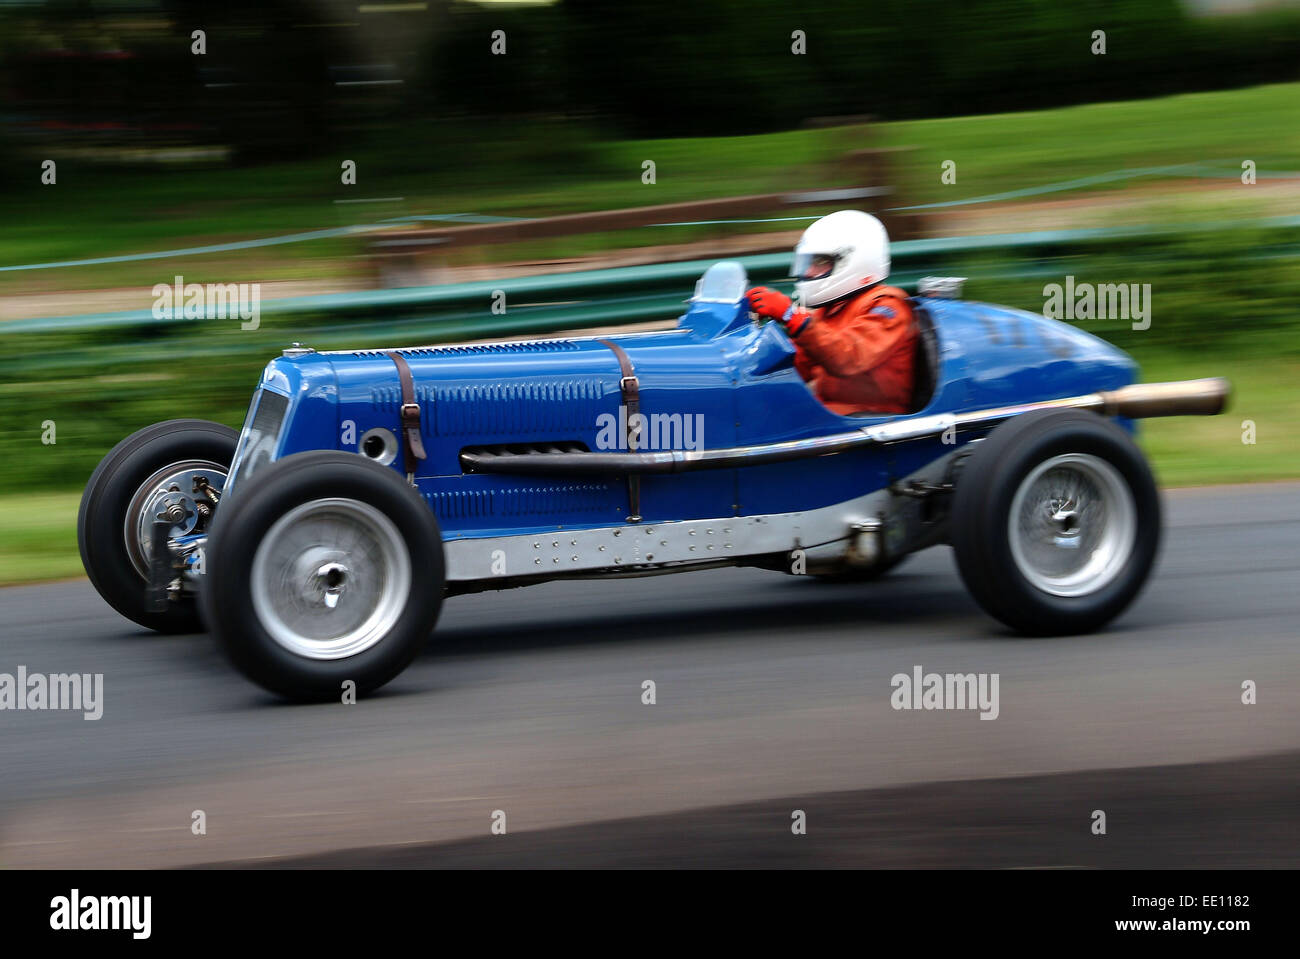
(159,470)
(329,570)
(1056,522)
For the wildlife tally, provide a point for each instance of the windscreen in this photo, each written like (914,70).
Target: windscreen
(723,282)
(258,440)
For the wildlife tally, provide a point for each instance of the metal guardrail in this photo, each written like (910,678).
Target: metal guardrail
(633,294)
(598,221)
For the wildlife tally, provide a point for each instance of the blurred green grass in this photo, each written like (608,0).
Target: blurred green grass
(38,537)
(1010,151)
(1203,450)
(562,167)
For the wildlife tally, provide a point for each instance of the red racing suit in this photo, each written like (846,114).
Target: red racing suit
(857,353)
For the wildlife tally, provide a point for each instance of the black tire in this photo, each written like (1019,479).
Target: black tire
(229,593)
(868,575)
(101,519)
(981,515)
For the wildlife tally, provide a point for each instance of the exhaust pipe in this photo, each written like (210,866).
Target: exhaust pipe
(1207,397)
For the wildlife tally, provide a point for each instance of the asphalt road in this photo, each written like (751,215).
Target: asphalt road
(773,693)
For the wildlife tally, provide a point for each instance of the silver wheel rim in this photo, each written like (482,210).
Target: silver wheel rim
(330,578)
(1073,525)
(173,484)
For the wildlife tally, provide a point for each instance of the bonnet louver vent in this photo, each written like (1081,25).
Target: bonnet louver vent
(474,349)
(526,449)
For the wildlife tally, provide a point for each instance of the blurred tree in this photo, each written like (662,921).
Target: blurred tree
(293,78)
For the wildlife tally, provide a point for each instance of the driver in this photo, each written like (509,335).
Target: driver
(856,345)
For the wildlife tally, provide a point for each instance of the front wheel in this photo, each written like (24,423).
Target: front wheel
(329,570)
(169,469)
(1056,522)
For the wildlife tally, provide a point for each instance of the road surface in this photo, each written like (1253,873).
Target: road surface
(773,694)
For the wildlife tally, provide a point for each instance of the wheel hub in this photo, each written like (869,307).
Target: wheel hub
(176,494)
(1065,519)
(330,578)
(1073,525)
(329,581)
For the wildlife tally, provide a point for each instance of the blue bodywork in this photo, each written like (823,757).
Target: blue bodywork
(738,378)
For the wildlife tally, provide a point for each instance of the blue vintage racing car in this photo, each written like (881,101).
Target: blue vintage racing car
(318,543)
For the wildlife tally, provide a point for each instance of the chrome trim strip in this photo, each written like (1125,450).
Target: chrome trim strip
(1204,397)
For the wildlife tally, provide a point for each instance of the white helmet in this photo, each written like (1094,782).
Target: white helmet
(840,254)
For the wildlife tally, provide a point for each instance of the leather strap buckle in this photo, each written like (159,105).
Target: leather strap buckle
(630,390)
(412,445)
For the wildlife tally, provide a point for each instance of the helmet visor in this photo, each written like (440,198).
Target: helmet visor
(815,266)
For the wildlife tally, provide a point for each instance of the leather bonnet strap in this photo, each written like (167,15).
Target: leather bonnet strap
(412,444)
(630,388)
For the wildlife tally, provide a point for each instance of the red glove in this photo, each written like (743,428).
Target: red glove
(774,304)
